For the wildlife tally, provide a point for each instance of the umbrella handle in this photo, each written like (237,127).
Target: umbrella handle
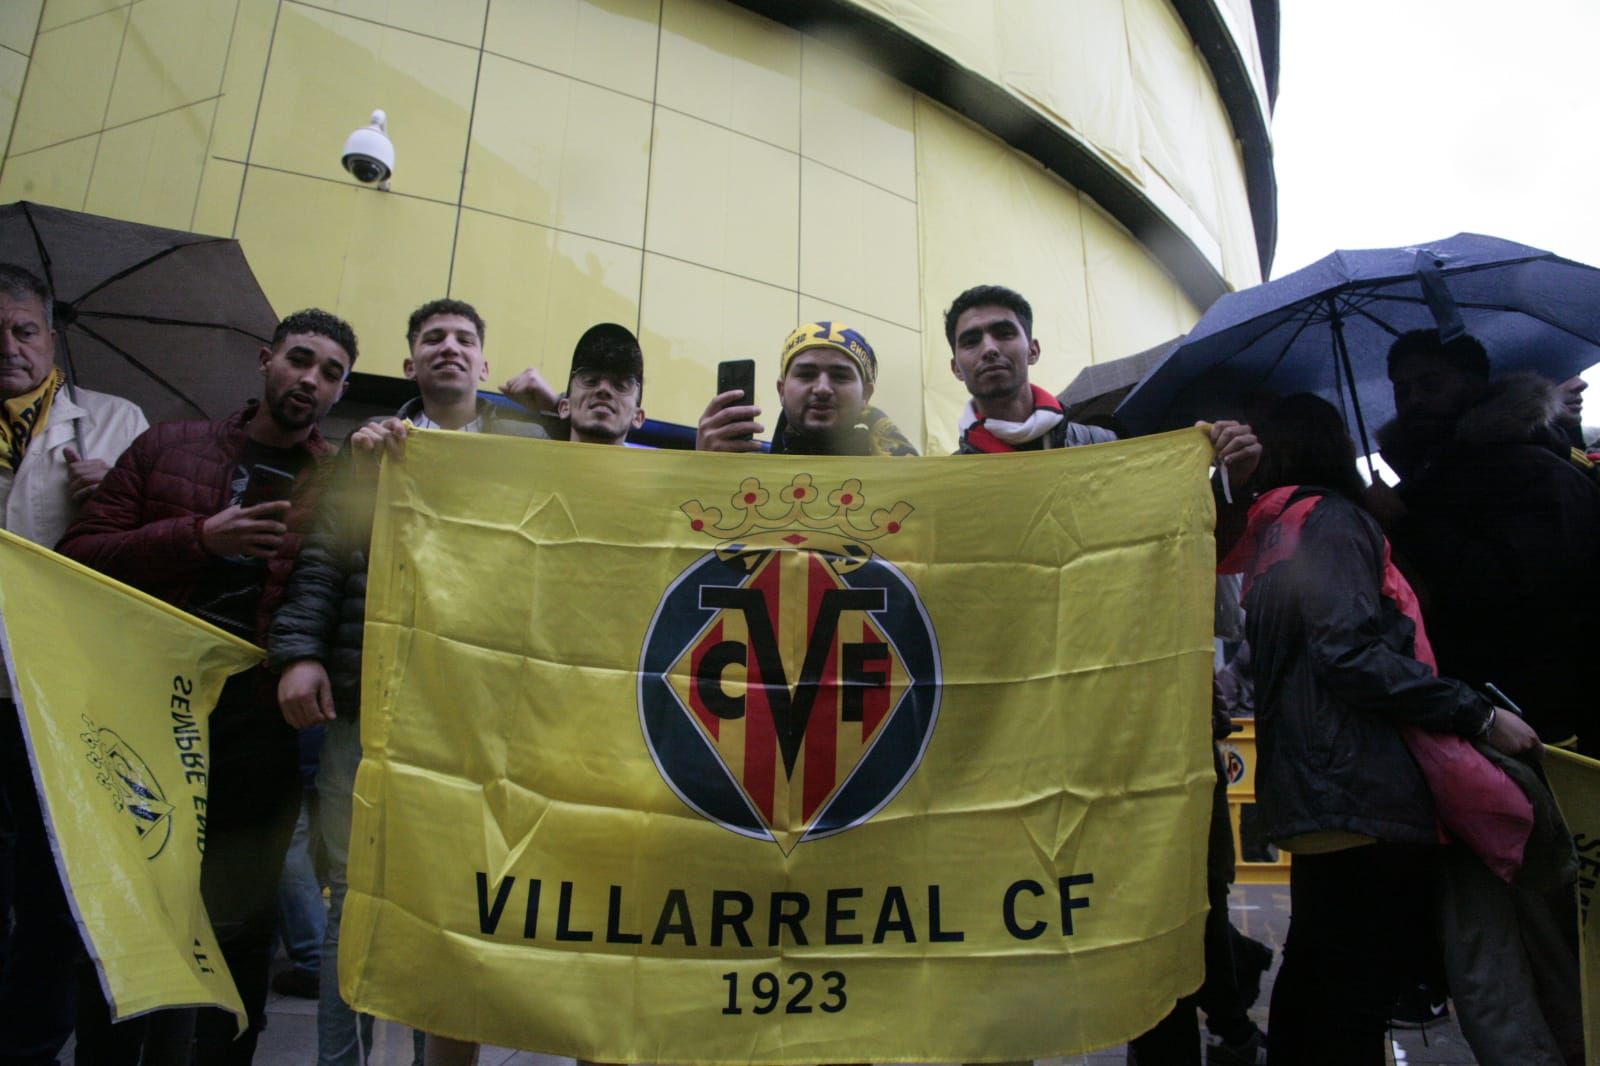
(1446,315)
(72,389)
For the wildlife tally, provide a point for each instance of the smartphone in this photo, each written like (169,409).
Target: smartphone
(738,374)
(267,484)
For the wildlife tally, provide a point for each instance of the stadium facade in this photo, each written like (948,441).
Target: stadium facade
(707,172)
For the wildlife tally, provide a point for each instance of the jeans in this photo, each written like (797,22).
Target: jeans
(339,1043)
(302,919)
(36,956)
(344,1037)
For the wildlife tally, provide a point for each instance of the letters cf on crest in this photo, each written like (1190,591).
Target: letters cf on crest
(790,679)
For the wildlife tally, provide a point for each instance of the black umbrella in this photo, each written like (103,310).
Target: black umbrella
(168,319)
(1327,329)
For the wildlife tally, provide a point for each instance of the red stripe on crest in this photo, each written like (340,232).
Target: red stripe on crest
(822,739)
(760,735)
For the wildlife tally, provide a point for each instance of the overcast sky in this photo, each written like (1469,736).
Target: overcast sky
(1399,121)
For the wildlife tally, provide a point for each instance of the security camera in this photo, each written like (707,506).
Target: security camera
(369,153)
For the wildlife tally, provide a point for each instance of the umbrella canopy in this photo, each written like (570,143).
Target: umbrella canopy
(1327,329)
(170,320)
(1100,387)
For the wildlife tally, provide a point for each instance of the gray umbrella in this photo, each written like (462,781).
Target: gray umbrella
(1100,387)
(170,320)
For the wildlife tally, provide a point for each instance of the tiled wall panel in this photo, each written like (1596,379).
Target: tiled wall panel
(683,167)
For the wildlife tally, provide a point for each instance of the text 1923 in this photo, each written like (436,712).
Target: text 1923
(769,992)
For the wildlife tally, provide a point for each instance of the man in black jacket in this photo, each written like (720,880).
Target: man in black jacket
(1498,530)
(315,638)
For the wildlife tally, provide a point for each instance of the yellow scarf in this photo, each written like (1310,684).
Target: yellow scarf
(26,415)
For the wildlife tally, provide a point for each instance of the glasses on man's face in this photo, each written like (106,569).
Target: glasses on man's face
(590,379)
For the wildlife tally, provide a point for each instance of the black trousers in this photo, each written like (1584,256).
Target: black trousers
(239,882)
(1358,919)
(38,936)
(1175,1040)
(252,803)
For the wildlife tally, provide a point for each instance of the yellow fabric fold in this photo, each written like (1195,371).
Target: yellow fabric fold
(114,688)
(1575,780)
(697,758)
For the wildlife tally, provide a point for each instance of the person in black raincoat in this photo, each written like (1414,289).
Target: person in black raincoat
(1335,634)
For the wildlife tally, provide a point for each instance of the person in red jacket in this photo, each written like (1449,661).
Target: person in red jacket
(209,517)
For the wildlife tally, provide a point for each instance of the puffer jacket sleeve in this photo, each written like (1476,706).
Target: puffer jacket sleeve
(111,535)
(1359,645)
(306,623)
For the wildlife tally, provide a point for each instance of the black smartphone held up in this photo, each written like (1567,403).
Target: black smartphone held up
(267,485)
(738,374)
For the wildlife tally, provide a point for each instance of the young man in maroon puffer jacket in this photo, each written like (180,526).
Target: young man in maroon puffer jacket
(209,517)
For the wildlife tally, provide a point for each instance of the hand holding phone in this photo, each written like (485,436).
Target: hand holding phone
(729,422)
(267,484)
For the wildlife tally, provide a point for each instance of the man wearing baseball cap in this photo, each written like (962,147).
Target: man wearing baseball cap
(605,386)
(827,372)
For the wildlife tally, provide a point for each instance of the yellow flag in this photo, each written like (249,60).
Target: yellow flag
(1576,783)
(676,757)
(114,688)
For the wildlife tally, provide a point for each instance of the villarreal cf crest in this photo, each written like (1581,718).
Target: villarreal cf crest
(790,678)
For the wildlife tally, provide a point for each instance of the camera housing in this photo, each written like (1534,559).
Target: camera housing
(369,153)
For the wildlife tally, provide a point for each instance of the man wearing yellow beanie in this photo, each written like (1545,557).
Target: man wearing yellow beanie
(827,372)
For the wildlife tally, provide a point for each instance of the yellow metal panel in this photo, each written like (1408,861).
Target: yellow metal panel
(13,68)
(329,72)
(217,204)
(1133,303)
(1071,62)
(149,171)
(607,42)
(369,256)
(1240,263)
(858,120)
(539,289)
(723,200)
(19,20)
(458,20)
(990,215)
(899,352)
(1171,82)
(69,82)
(61,12)
(858,245)
(731,67)
(58,175)
(1124,77)
(559,152)
(172,56)
(1188,139)
(242,80)
(1241,19)
(965,30)
(690,319)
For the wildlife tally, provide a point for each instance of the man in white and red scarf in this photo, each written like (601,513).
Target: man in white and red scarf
(990,330)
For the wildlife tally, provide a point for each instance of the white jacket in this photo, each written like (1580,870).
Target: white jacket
(38,506)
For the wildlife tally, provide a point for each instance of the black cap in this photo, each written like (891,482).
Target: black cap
(609,349)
